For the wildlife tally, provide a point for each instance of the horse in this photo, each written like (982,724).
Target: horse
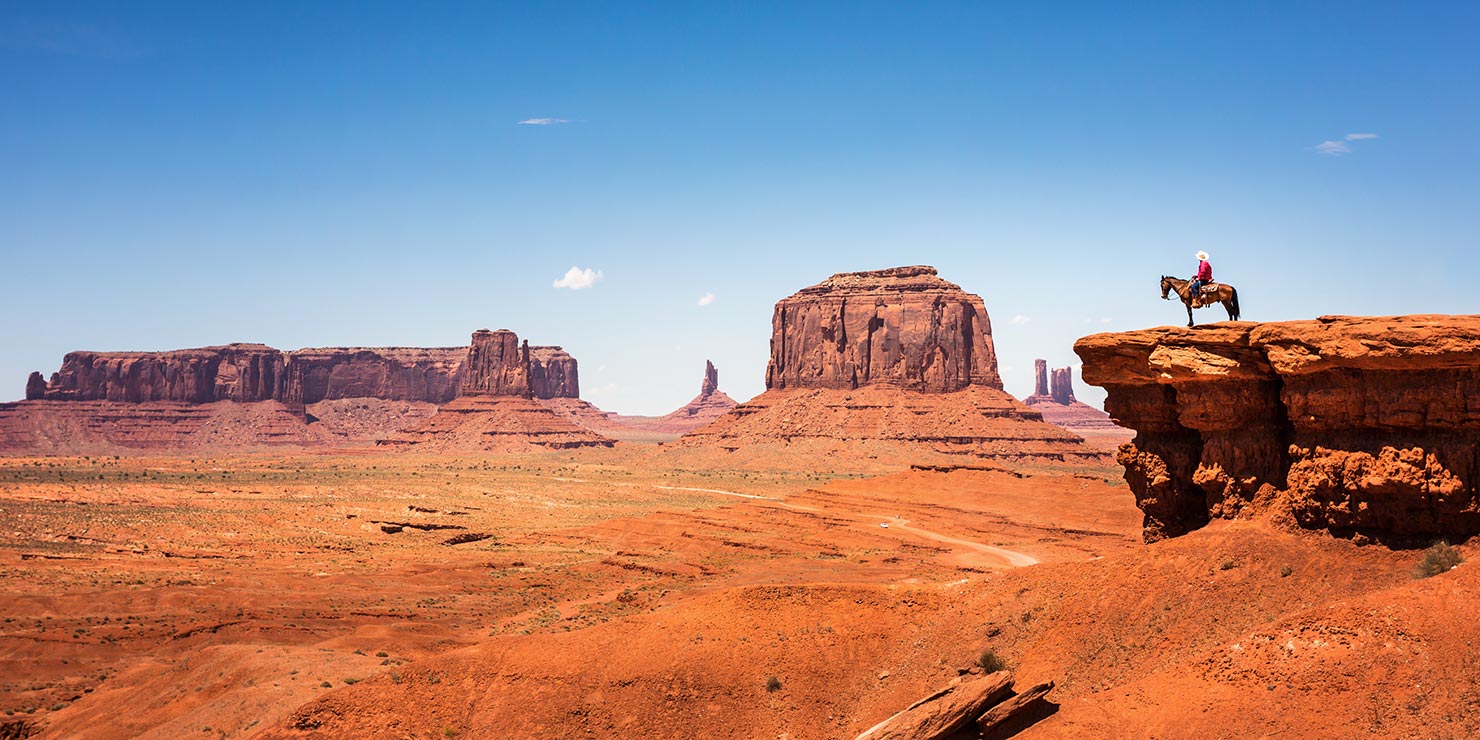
(1223,293)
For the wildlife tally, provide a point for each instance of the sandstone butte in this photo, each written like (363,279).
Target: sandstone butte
(496,408)
(899,360)
(1053,396)
(1363,426)
(252,395)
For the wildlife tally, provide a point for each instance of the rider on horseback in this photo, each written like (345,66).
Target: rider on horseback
(1204,276)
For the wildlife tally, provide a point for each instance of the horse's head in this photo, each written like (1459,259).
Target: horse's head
(1166,286)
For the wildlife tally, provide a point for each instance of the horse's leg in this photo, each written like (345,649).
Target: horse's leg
(1188,304)
(1228,306)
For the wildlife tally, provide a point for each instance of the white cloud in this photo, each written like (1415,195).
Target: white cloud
(578,279)
(706,299)
(1360,137)
(1106,320)
(1020,319)
(1333,148)
(543,121)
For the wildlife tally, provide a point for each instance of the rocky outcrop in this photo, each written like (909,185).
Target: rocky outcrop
(497,365)
(496,409)
(1055,400)
(553,373)
(1363,426)
(710,404)
(892,364)
(35,387)
(987,701)
(904,326)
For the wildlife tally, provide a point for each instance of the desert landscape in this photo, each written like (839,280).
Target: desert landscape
(241,542)
(664,370)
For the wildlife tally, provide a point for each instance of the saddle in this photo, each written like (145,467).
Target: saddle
(1210,288)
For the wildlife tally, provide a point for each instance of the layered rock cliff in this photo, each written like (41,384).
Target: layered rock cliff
(553,373)
(108,400)
(891,363)
(904,326)
(1359,425)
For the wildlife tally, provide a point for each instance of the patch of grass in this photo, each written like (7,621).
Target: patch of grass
(773,684)
(351,681)
(1228,565)
(1439,558)
(991,662)
(1285,571)
(326,685)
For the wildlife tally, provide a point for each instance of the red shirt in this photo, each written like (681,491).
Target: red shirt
(1204,271)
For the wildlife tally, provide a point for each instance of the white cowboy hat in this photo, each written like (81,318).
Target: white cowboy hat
(1202,255)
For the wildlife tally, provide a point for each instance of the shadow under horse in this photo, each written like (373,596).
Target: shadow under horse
(1222,293)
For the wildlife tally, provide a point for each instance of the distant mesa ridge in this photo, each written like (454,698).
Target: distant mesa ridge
(257,372)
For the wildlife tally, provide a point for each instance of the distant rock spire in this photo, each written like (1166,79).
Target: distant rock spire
(1062,386)
(1041,387)
(711,380)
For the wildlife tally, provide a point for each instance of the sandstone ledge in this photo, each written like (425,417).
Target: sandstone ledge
(1358,425)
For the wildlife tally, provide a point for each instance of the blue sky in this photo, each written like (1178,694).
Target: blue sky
(177,175)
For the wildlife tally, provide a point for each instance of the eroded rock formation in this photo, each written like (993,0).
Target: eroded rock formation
(1059,407)
(109,400)
(896,359)
(904,326)
(553,373)
(1358,425)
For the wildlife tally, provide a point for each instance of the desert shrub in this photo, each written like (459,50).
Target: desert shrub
(991,662)
(1437,559)
(1285,571)
(1228,565)
(773,684)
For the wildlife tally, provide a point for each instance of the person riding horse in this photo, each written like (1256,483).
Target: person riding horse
(1203,277)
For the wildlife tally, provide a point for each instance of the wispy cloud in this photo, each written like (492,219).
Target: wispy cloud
(578,279)
(706,299)
(1338,147)
(543,121)
(1020,319)
(1333,148)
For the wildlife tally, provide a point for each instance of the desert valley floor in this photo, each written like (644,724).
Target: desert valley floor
(622,593)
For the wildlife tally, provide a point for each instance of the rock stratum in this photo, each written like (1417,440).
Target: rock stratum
(888,364)
(1363,426)
(251,395)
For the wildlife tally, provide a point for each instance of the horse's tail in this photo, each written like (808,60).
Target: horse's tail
(1233,298)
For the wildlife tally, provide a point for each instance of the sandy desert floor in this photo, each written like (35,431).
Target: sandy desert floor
(603,593)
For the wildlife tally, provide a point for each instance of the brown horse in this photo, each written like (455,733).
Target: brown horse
(1223,293)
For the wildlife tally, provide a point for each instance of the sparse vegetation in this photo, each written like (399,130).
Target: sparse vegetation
(1439,558)
(1228,565)
(773,684)
(990,661)
(1285,571)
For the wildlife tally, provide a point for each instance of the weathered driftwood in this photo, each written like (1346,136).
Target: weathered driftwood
(944,712)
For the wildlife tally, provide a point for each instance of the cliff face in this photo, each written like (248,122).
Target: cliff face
(902,326)
(255,372)
(553,373)
(1359,425)
(497,365)
(235,372)
(389,373)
